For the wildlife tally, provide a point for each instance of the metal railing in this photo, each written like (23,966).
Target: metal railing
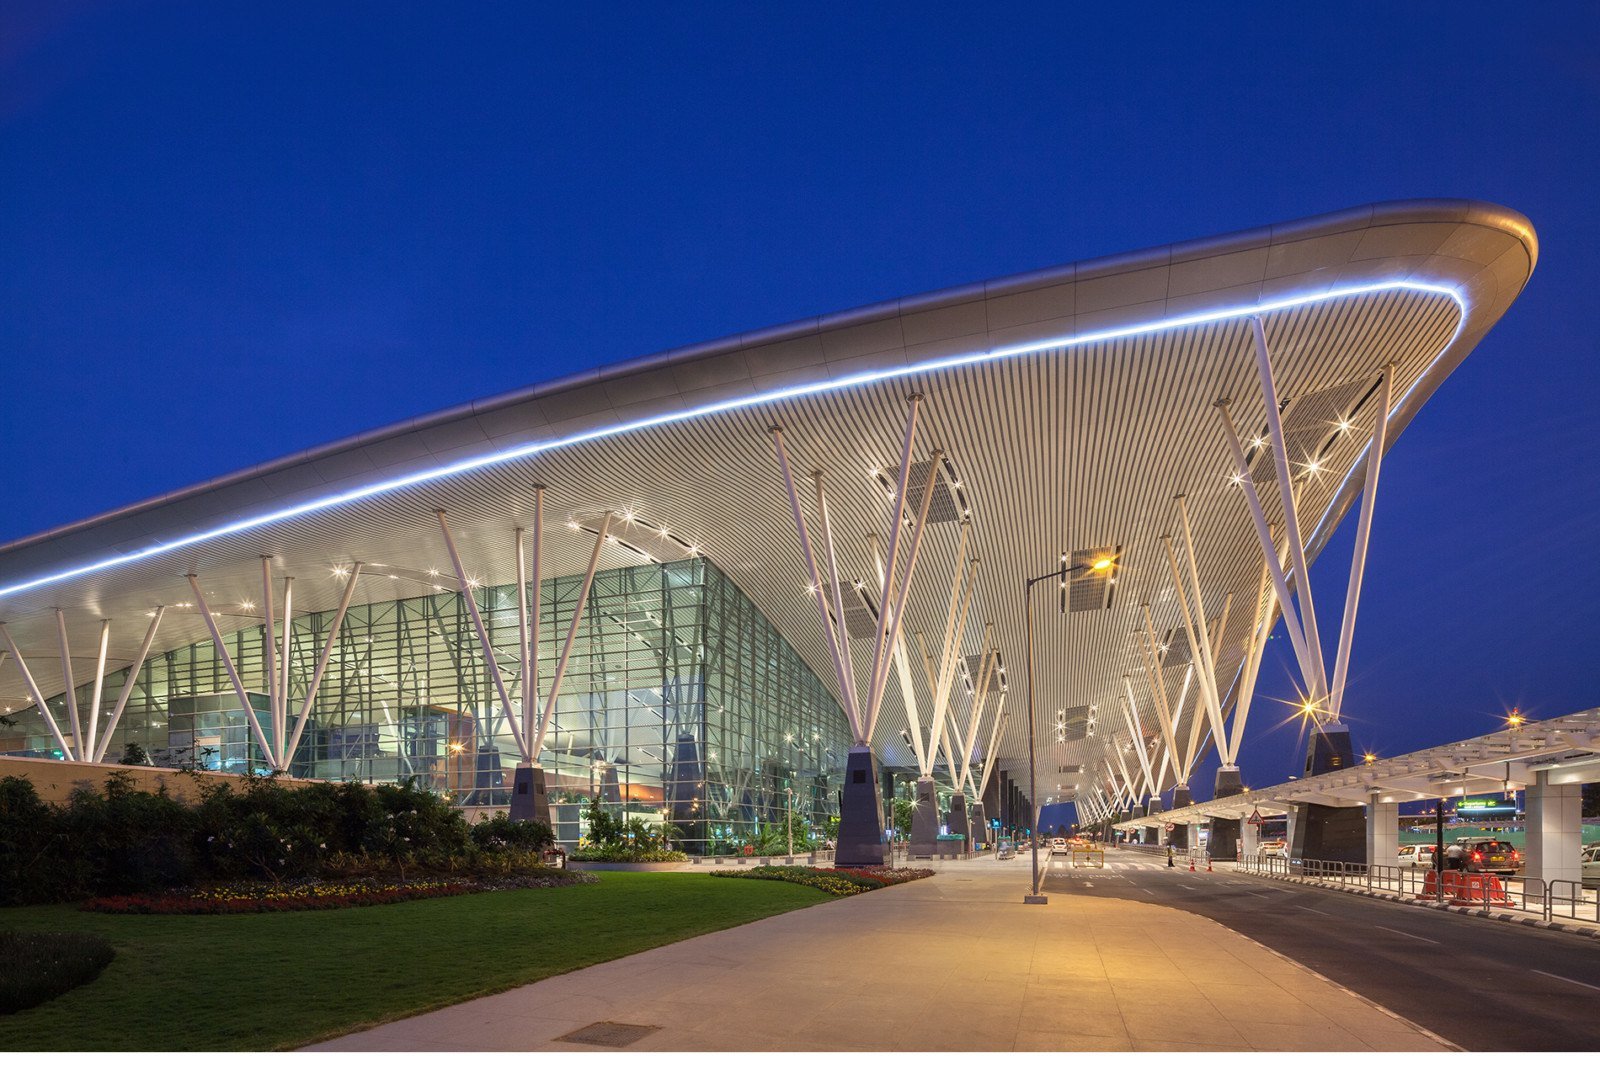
(1549,901)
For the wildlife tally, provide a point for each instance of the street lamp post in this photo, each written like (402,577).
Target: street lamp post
(1036,897)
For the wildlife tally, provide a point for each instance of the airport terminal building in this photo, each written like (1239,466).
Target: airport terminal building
(755,576)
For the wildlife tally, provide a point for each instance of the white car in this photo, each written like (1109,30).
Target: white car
(1591,865)
(1417,856)
(1058,846)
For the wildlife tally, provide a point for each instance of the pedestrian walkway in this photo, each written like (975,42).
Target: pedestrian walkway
(954,963)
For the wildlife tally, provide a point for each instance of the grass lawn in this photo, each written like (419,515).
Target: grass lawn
(263,981)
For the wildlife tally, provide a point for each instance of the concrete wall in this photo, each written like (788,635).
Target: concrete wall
(56,780)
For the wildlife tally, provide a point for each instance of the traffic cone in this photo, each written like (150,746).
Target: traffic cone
(1191,862)
(1208,862)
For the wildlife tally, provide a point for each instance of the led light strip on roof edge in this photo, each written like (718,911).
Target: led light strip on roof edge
(487,460)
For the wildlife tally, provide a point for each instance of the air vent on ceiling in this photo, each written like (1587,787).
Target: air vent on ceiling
(1178,653)
(1089,589)
(1311,425)
(1074,724)
(949,502)
(972,667)
(1174,649)
(860,614)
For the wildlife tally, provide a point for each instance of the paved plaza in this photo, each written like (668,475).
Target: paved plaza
(952,963)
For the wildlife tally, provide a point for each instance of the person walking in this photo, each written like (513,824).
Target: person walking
(1455,857)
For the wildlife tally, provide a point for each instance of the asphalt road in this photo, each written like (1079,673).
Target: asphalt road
(1483,985)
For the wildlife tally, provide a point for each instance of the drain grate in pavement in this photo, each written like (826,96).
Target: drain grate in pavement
(609,1034)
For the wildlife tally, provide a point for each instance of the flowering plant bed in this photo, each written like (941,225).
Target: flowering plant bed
(314,894)
(836,882)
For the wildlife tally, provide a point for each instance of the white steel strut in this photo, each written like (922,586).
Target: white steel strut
(1324,698)
(565,657)
(128,683)
(334,630)
(226,658)
(1000,717)
(862,713)
(71,695)
(38,698)
(490,659)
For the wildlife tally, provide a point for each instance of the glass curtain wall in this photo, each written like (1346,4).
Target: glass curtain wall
(681,703)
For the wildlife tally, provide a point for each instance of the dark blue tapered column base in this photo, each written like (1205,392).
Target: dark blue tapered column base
(860,813)
(529,799)
(925,821)
(958,820)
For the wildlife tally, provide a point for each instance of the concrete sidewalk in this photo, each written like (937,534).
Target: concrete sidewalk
(953,963)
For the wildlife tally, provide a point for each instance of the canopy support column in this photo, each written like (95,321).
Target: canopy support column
(233,672)
(71,694)
(129,682)
(92,736)
(1358,562)
(33,692)
(322,666)
(489,658)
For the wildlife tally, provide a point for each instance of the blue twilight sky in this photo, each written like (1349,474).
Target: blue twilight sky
(228,232)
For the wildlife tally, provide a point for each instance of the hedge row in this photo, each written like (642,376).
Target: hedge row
(122,841)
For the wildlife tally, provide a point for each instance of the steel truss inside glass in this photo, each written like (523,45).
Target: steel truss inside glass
(681,703)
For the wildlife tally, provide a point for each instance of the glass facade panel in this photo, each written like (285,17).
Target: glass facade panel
(680,703)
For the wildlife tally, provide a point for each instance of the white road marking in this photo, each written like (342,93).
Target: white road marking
(1308,909)
(1147,891)
(1568,979)
(1408,935)
(1258,894)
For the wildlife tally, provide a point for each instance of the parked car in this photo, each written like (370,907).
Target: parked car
(1272,848)
(1417,855)
(1591,865)
(1491,855)
(1058,846)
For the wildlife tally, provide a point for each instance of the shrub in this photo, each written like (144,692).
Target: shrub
(127,840)
(502,833)
(33,868)
(120,841)
(35,967)
(625,852)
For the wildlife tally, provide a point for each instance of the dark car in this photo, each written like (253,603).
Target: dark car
(1491,855)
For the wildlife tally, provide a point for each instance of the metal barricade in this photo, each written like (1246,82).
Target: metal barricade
(1564,899)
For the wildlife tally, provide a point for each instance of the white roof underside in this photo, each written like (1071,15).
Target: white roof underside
(1077,444)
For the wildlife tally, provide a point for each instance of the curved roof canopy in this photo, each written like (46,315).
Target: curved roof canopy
(1072,404)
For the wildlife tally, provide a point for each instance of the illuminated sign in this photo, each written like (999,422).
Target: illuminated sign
(1492,805)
